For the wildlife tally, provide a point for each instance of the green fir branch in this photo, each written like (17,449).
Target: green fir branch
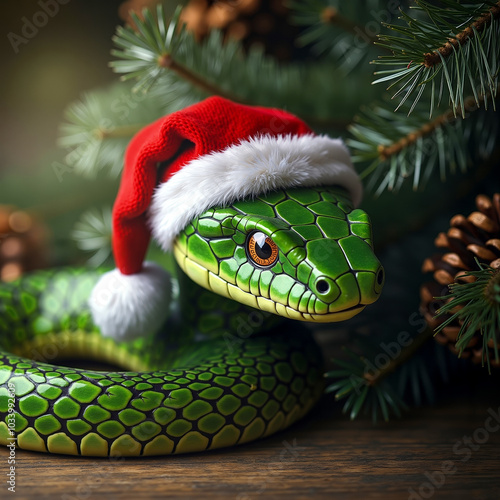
(341,30)
(454,51)
(476,305)
(158,45)
(351,385)
(92,233)
(366,387)
(165,57)
(392,147)
(172,70)
(99,126)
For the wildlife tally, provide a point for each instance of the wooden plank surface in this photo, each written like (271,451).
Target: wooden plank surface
(323,456)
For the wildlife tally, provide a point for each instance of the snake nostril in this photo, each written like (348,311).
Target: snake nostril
(322,286)
(380,276)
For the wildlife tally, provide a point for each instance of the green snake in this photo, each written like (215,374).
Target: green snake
(232,363)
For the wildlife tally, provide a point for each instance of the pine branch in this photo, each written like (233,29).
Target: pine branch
(332,15)
(92,233)
(387,151)
(317,14)
(394,364)
(165,42)
(351,385)
(162,55)
(454,51)
(166,61)
(340,30)
(158,45)
(482,23)
(100,125)
(127,131)
(476,305)
(394,147)
(366,387)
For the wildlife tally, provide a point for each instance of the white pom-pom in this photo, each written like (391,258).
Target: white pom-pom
(125,307)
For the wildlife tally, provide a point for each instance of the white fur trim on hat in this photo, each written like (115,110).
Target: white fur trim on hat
(250,168)
(125,307)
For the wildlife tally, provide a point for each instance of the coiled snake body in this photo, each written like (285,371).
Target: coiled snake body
(230,365)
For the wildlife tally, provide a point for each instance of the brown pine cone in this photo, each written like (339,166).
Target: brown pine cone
(23,243)
(476,236)
(254,22)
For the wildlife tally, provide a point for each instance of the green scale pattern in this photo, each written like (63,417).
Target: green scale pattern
(234,396)
(223,370)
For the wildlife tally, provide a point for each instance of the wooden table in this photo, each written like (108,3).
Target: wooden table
(323,456)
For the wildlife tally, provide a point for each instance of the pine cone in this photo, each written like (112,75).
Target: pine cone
(254,22)
(476,236)
(23,243)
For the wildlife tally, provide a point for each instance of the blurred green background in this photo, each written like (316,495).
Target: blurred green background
(66,55)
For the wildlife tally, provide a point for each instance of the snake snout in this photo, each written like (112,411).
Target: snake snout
(371,284)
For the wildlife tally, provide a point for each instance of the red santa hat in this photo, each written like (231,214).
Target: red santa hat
(212,153)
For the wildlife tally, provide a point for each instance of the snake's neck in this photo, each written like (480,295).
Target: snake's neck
(214,316)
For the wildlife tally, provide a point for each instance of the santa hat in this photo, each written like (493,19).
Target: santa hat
(210,154)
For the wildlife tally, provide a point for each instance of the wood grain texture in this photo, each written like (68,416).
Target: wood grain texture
(323,456)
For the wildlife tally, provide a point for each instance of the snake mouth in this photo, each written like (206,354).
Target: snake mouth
(333,317)
(313,317)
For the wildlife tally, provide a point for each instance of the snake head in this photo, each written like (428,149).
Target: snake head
(303,254)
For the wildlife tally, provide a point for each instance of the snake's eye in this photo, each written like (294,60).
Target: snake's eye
(261,249)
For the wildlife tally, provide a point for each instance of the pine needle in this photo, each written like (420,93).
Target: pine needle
(99,126)
(392,147)
(92,233)
(455,43)
(164,54)
(478,304)
(340,30)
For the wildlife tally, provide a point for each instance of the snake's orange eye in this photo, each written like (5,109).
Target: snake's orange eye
(261,249)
